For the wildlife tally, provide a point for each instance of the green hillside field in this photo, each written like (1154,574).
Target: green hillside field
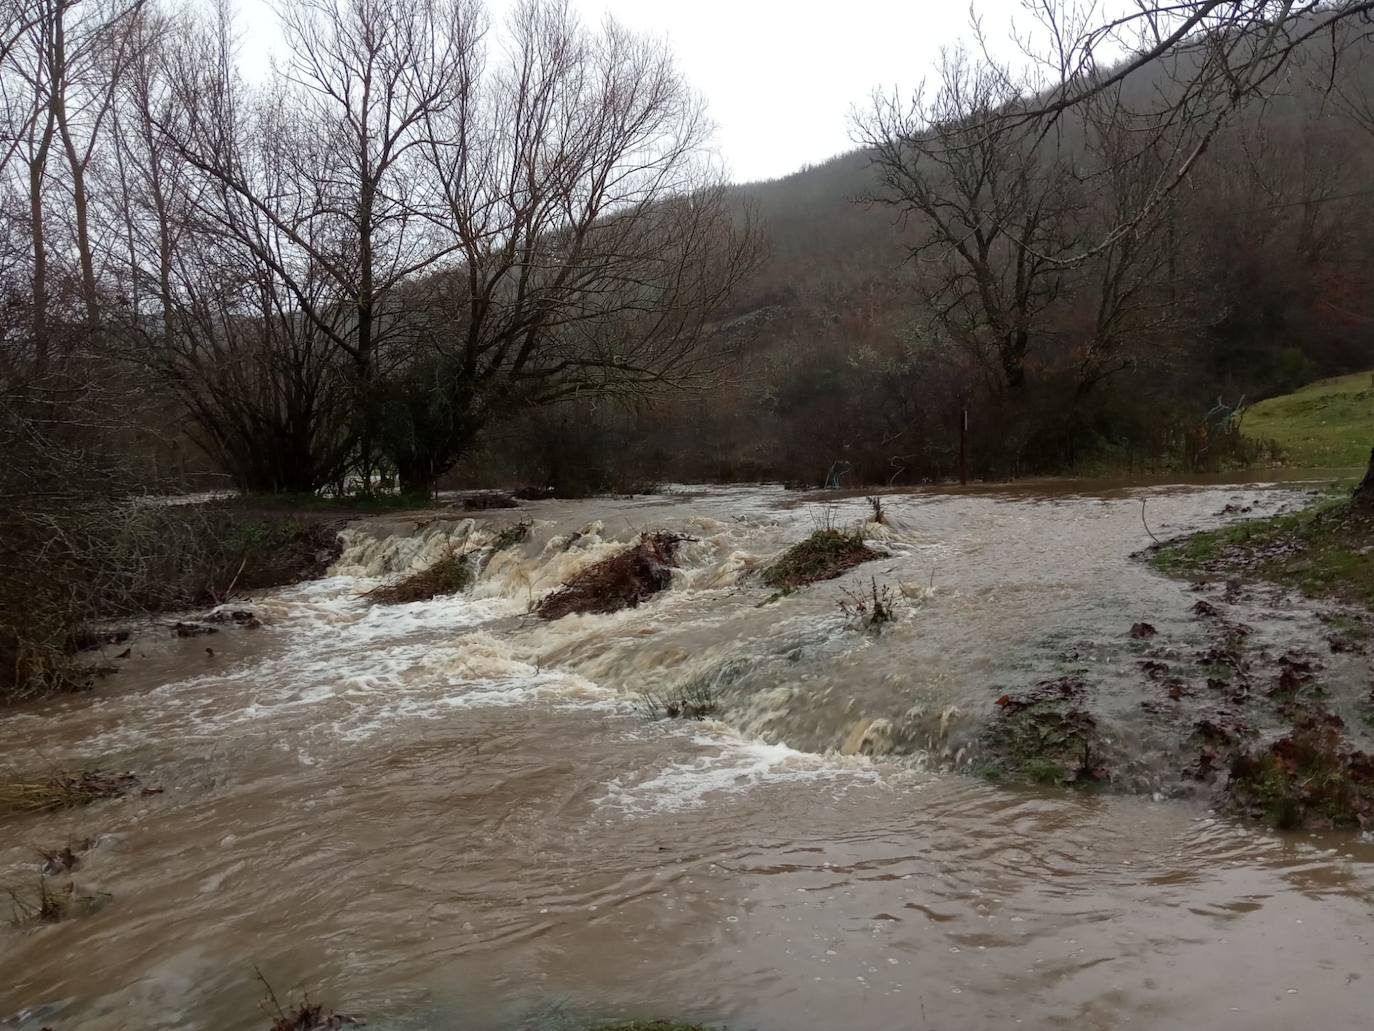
(1325,425)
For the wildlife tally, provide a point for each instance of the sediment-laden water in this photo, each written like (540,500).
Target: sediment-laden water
(450,814)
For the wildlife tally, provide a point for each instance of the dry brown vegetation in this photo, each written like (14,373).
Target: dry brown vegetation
(104,558)
(450,575)
(61,790)
(623,580)
(303,1015)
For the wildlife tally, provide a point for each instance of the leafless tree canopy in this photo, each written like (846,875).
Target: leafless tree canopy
(422,224)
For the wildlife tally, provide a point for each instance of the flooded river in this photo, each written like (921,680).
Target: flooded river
(452,815)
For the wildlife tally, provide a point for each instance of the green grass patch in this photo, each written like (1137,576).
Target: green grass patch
(824,555)
(1325,425)
(1325,551)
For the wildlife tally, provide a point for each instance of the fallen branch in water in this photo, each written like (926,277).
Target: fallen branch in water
(1147,525)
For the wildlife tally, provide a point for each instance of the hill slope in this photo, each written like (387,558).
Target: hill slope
(1325,425)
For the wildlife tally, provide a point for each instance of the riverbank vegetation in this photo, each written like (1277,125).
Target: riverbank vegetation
(1324,551)
(826,554)
(98,558)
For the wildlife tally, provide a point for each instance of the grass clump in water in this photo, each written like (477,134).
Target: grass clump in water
(1325,551)
(450,575)
(872,610)
(50,904)
(1045,736)
(62,790)
(1311,778)
(823,556)
(693,700)
(299,1016)
(511,536)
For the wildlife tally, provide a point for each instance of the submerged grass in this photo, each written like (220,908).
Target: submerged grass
(1325,425)
(1312,777)
(1325,551)
(62,790)
(824,555)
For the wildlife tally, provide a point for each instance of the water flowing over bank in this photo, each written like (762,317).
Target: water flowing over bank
(452,814)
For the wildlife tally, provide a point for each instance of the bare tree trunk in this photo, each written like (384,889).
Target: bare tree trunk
(80,200)
(1364,493)
(37,170)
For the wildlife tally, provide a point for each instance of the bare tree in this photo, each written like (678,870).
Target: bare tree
(992,200)
(475,229)
(1221,56)
(593,240)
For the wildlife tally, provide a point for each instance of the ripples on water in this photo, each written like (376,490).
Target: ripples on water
(448,815)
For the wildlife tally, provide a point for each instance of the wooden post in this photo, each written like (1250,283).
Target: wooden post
(963,448)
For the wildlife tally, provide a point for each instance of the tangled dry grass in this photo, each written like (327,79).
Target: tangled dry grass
(450,575)
(623,580)
(61,790)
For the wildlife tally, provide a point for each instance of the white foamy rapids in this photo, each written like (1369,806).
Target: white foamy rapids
(715,555)
(366,555)
(348,668)
(728,763)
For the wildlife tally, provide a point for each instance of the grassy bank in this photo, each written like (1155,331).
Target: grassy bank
(1326,551)
(1315,775)
(1325,425)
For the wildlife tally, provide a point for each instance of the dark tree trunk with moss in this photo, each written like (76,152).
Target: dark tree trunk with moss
(1364,493)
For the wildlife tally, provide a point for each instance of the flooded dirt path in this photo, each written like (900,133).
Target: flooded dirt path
(451,815)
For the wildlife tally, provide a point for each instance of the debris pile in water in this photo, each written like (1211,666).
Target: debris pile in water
(823,556)
(619,582)
(63,790)
(488,500)
(449,575)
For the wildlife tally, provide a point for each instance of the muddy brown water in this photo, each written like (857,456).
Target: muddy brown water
(450,815)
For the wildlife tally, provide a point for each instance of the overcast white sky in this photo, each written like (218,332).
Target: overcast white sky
(780,76)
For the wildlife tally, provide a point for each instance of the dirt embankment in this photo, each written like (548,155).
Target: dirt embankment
(135,558)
